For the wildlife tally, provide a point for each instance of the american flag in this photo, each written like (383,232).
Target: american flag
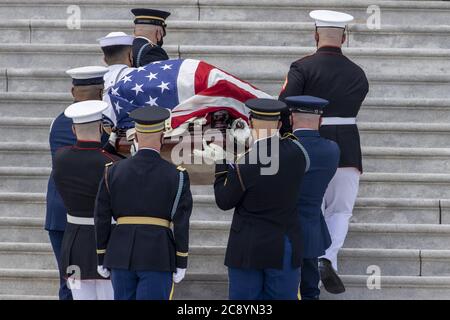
(188,87)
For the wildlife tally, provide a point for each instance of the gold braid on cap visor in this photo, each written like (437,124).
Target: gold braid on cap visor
(150,128)
(150,18)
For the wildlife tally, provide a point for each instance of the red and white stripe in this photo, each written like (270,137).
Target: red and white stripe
(203,89)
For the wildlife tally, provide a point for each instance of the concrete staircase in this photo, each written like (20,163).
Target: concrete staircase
(403,207)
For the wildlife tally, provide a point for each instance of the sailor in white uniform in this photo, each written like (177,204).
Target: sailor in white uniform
(118,55)
(116,47)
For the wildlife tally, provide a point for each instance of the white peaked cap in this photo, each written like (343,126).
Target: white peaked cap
(116,39)
(86,111)
(89,72)
(328,18)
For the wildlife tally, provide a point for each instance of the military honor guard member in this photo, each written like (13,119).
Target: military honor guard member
(87,85)
(146,195)
(330,75)
(264,251)
(324,159)
(77,172)
(118,55)
(149,30)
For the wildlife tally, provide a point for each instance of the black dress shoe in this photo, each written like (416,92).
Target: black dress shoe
(330,279)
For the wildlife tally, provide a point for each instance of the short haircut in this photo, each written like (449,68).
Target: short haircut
(89,128)
(115,52)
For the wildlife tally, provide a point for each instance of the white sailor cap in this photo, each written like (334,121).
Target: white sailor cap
(330,19)
(116,39)
(87,76)
(86,111)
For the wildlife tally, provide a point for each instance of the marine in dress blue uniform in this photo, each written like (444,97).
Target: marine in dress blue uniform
(77,173)
(264,250)
(145,194)
(61,135)
(330,75)
(145,50)
(324,159)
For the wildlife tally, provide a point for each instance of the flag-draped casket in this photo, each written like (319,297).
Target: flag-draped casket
(189,88)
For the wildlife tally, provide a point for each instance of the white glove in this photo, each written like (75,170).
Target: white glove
(240,131)
(130,134)
(179,275)
(212,152)
(112,139)
(134,148)
(103,272)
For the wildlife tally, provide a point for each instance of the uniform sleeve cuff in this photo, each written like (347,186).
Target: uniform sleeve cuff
(221,168)
(100,256)
(181,260)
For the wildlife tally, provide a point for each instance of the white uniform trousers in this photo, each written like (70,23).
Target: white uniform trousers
(93,290)
(338,203)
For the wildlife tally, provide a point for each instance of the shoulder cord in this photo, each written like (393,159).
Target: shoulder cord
(305,153)
(178,196)
(138,59)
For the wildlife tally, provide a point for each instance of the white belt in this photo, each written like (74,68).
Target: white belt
(83,221)
(337,121)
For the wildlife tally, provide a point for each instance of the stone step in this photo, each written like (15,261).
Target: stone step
(393,288)
(404,160)
(215,233)
(445,209)
(374,109)
(373,134)
(386,86)
(226,33)
(404,134)
(235,58)
(405,185)
(418,110)
(23,205)
(388,185)
(388,236)
(19,255)
(393,12)
(205,286)
(215,286)
(392,262)
(24,179)
(367,210)
(210,259)
(375,159)
(26,154)
(381,185)
(32,104)
(25,129)
(96,9)
(35,282)
(399,211)
(274,59)
(18,229)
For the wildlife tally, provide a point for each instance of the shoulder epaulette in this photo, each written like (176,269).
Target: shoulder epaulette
(180,168)
(289,135)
